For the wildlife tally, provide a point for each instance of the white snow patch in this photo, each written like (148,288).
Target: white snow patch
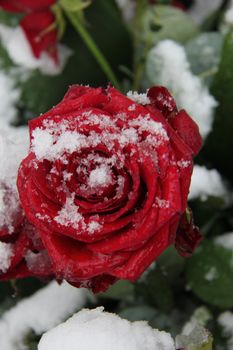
(167,65)
(205,183)
(225,240)
(69,215)
(19,50)
(94,226)
(39,313)
(228,18)
(108,331)
(100,176)
(211,274)
(13,148)
(6,253)
(226,321)
(142,99)
(9,96)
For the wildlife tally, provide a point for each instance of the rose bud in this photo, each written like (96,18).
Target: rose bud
(106,182)
(38,25)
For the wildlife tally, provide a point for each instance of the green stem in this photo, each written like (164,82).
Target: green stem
(138,51)
(93,48)
(208,72)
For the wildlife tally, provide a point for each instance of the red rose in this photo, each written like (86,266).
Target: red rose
(39,25)
(106,181)
(25,5)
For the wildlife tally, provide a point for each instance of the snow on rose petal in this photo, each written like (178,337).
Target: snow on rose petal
(106,182)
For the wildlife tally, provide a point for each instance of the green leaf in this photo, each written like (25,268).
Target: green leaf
(204,53)
(219,145)
(198,339)
(210,274)
(138,313)
(171,264)
(122,290)
(155,290)
(10,19)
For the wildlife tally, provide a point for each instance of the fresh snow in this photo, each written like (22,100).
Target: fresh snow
(99,330)
(167,65)
(211,274)
(139,98)
(39,313)
(9,96)
(100,176)
(13,148)
(226,322)
(205,183)
(19,50)
(56,140)
(5,256)
(225,240)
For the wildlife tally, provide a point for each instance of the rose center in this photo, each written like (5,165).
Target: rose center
(101,176)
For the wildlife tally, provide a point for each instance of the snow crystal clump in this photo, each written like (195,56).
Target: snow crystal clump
(19,50)
(205,183)
(6,253)
(39,313)
(108,331)
(167,65)
(100,176)
(142,99)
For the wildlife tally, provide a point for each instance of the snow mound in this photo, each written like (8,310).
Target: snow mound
(39,313)
(99,330)
(205,183)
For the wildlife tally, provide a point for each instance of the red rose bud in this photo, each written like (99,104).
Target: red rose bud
(188,235)
(25,5)
(40,30)
(105,184)
(39,24)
